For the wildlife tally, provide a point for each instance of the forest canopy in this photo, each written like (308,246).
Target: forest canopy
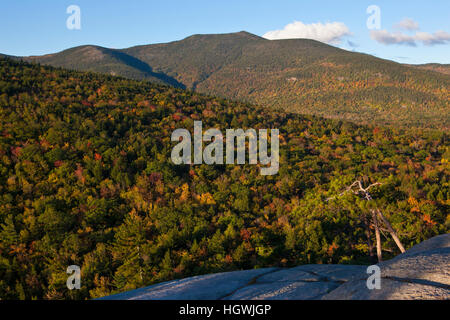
(86,179)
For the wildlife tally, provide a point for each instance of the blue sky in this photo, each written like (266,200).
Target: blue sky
(29,27)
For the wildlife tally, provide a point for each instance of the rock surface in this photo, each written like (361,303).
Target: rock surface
(422,272)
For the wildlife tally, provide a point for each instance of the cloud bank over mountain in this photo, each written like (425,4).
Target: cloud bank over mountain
(400,38)
(428,39)
(331,32)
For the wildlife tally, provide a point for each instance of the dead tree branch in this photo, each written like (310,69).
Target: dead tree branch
(376,215)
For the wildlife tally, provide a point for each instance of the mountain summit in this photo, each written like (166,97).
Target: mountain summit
(299,75)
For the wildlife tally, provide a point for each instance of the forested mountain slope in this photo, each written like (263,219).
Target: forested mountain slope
(298,75)
(438,67)
(86,178)
(103,60)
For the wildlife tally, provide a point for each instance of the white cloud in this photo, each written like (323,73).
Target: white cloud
(331,32)
(385,37)
(407,24)
(439,37)
(428,39)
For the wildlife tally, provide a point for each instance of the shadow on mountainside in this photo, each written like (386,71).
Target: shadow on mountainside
(144,67)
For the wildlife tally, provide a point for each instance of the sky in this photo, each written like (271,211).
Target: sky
(404,31)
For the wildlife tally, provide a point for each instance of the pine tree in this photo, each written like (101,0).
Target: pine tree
(128,250)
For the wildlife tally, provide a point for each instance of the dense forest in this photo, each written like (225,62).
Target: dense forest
(296,75)
(86,178)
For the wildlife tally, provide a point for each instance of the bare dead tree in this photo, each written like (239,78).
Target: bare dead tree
(391,231)
(377,217)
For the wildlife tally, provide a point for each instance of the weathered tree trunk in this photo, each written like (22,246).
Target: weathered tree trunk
(391,231)
(377,235)
(369,241)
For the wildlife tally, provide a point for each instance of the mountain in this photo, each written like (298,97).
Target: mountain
(438,67)
(103,60)
(298,75)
